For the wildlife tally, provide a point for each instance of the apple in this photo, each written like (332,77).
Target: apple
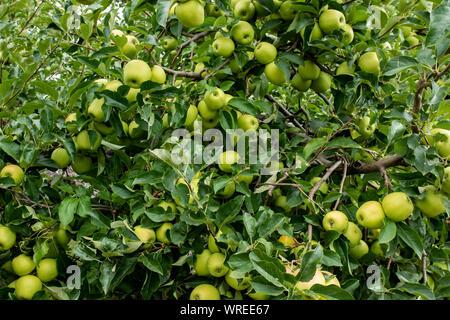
(223,47)
(101,82)
(161,232)
(316,33)
(406,30)
(169,43)
(61,157)
(158,74)
(412,40)
(132,94)
(228,190)
(212,10)
(322,83)
(332,279)
(22,265)
(244,10)
(226,159)
(309,71)
(265,52)
(235,284)
(95,110)
(201,263)
(288,10)
(353,233)
(215,99)
(366,129)
(134,130)
(216,265)
(274,74)
(360,250)
(281,203)
(14,172)
(207,113)
(274,166)
(243,32)
(205,292)
(299,83)
(247,179)
(72,117)
(287,241)
(376,249)
(83,141)
(112,85)
(82,164)
(323,187)
(369,63)
(129,48)
(47,270)
(103,128)
(335,220)
(248,122)
(397,206)
(190,13)
(318,278)
(61,237)
(7,238)
(166,205)
(27,286)
(331,20)
(343,68)
(348,33)
(191,115)
(440,139)
(136,72)
(144,234)
(445,186)
(431,205)
(370,215)
(258,296)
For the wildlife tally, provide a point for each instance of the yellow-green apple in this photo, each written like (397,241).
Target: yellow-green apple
(27,286)
(216,266)
(61,236)
(61,157)
(244,10)
(360,250)
(84,141)
(309,71)
(331,20)
(95,110)
(376,249)
(7,238)
(103,128)
(412,40)
(274,74)
(288,10)
(397,206)
(343,68)
(243,32)
(223,47)
(212,10)
(132,94)
(258,296)
(158,74)
(445,186)
(265,52)
(166,205)
(243,284)
(205,112)
(23,265)
(112,85)
(369,62)
(191,115)
(72,117)
(161,232)
(129,48)
(318,278)
(316,33)
(14,172)
(169,43)
(145,235)
(134,130)
(348,33)
(247,179)
(190,13)
(336,221)
(228,190)
(201,263)
(82,164)
(440,139)
(370,215)
(205,291)
(136,72)
(226,159)
(366,129)
(215,99)
(353,233)
(299,83)
(47,270)
(431,205)
(281,202)
(322,83)
(323,187)
(212,245)
(248,122)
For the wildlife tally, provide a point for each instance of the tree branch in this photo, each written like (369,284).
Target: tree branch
(284,111)
(32,16)
(186,43)
(209,75)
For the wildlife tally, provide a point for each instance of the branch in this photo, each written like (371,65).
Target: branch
(32,16)
(186,43)
(341,187)
(284,111)
(424,266)
(218,68)
(359,167)
(384,174)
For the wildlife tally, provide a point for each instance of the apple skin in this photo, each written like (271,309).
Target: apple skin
(244,10)
(212,10)
(343,68)
(228,190)
(432,205)
(348,33)
(129,48)
(316,33)
(376,249)
(274,74)
(132,95)
(370,215)
(226,159)
(14,172)
(161,233)
(243,32)
(136,72)
(61,157)
(265,52)
(191,115)
(397,206)
(440,139)
(446,181)
(300,286)
(353,233)
(309,71)
(360,250)
(215,99)
(169,43)
(336,221)
(205,292)
(72,117)
(7,238)
(158,74)
(281,203)
(288,10)
(145,235)
(61,237)
(201,263)
(322,83)
(216,265)
(235,284)
(258,296)
(22,265)
(247,179)
(369,62)
(205,112)
(190,13)
(299,83)
(112,85)
(95,110)
(248,122)
(366,129)
(84,142)
(27,286)
(223,47)
(47,270)
(103,128)
(331,20)
(82,164)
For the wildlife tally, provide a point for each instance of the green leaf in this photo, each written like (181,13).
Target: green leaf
(229,210)
(179,232)
(162,11)
(268,267)
(153,261)
(309,264)
(243,105)
(343,142)
(106,275)
(388,232)
(417,289)
(411,238)
(66,210)
(313,145)
(250,225)
(240,262)
(397,64)
(331,259)
(261,285)
(439,24)
(9,147)
(332,292)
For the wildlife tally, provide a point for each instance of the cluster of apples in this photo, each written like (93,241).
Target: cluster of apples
(23,266)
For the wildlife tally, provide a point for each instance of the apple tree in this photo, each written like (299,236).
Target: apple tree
(97,203)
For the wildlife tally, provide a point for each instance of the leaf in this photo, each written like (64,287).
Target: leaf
(153,261)
(411,238)
(398,64)
(244,106)
(417,289)
(261,285)
(439,23)
(178,233)
(331,259)
(250,225)
(240,262)
(309,264)
(9,147)
(162,11)
(395,130)
(66,210)
(313,145)
(126,266)
(388,232)
(332,292)
(343,142)
(229,210)
(106,275)
(270,268)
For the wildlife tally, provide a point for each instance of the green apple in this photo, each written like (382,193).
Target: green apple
(22,265)
(216,265)
(316,33)
(431,205)
(103,128)
(95,110)
(82,164)
(212,245)
(72,117)
(243,32)
(406,30)
(244,10)
(370,215)
(169,43)
(318,278)
(190,13)
(226,159)
(145,235)
(331,20)
(223,47)
(243,284)
(132,94)
(322,83)
(129,48)
(366,129)
(215,99)
(445,186)
(161,232)
(336,221)
(7,238)
(360,250)
(228,190)
(14,172)
(376,249)
(27,286)
(440,139)
(101,82)
(353,233)
(299,83)
(282,203)
(309,71)
(274,74)
(205,112)
(112,85)
(323,187)
(84,141)
(258,296)
(212,10)
(47,270)
(288,10)
(201,263)
(136,72)
(61,237)
(412,40)
(247,179)
(248,122)
(158,74)
(191,115)
(265,52)
(134,130)
(397,206)
(348,33)
(343,68)
(61,157)
(369,62)
(274,166)
(205,292)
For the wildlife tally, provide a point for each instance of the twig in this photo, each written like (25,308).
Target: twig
(269,194)
(186,43)
(32,16)
(341,187)
(384,174)
(284,110)
(424,265)
(218,68)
